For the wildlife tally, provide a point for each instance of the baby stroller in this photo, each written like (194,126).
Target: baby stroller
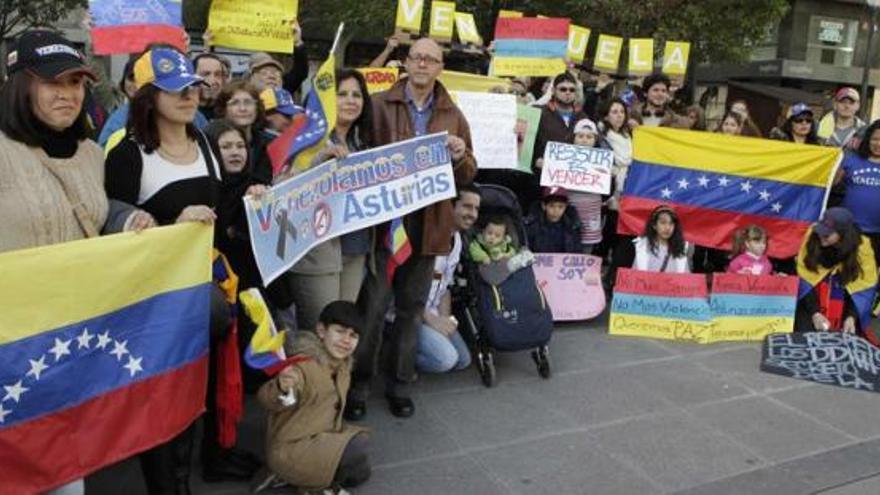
(509,316)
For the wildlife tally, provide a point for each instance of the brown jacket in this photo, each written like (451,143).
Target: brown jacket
(304,442)
(430,229)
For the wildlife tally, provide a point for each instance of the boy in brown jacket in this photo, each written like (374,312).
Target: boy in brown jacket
(308,444)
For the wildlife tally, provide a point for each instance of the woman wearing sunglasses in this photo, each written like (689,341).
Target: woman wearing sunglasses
(799,127)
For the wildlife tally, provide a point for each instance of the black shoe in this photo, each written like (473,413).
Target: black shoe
(355,410)
(402,407)
(243,459)
(222,468)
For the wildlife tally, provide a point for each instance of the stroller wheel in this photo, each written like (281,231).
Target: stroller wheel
(541,356)
(486,366)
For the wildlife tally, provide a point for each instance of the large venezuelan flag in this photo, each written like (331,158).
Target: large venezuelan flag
(103,351)
(719,184)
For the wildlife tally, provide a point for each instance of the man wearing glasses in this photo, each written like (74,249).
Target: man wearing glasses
(414,106)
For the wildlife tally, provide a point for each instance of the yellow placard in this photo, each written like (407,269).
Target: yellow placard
(379,78)
(509,13)
(409,15)
(474,83)
(675,57)
(578,39)
(265,26)
(466,28)
(641,56)
(537,67)
(608,52)
(442,22)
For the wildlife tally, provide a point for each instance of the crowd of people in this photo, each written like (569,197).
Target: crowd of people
(191,141)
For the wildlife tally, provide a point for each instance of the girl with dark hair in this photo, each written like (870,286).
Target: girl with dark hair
(731,124)
(838,277)
(334,269)
(52,186)
(662,247)
(859,179)
(239,102)
(749,253)
(167,167)
(749,128)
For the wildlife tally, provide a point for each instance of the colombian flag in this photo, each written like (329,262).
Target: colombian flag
(530,46)
(123,28)
(103,351)
(309,132)
(718,184)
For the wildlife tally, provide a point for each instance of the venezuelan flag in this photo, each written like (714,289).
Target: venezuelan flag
(530,46)
(120,28)
(750,307)
(660,305)
(718,184)
(398,244)
(103,351)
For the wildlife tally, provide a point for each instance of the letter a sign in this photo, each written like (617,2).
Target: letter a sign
(409,15)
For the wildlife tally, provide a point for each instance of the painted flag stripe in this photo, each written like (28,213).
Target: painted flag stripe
(93,285)
(677,308)
(708,227)
(102,430)
(631,281)
(725,192)
(763,285)
(135,38)
(742,305)
(735,155)
(177,335)
(532,28)
(531,48)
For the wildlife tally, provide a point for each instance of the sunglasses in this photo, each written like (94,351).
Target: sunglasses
(658,114)
(566,89)
(802,120)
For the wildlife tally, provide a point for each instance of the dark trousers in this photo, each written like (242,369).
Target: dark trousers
(354,466)
(412,281)
(166,467)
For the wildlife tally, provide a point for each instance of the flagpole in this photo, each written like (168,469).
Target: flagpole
(338,36)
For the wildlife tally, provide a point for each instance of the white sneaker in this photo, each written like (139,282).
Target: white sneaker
(266,480)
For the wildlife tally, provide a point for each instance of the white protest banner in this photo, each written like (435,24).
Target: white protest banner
(341,196)
(492,119)
(572,284)
(577,168)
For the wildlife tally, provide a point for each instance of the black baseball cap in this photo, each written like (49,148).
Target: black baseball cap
(46,54)
(834,221)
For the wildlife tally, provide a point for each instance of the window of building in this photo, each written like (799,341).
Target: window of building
(831,40)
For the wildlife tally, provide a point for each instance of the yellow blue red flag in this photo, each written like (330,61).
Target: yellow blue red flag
(100,360)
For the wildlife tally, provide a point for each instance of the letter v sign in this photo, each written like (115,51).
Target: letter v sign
(409,15)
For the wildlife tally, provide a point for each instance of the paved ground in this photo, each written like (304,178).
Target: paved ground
(619,416)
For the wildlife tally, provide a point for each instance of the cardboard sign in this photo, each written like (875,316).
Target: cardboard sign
(528,119)
(530,46)
(492,119)
(675,58)
(466,28)
(678,307)
(340,196)
(129,26)
(527,67)
(379,78)
(641,56)
(578,40)
(409,15)
(839,359)
(572,284)
(442,20)
(264,26)
(577,168)
(476,83)
(608,52)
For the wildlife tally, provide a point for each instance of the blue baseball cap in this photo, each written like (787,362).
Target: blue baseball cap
(165,68)
(799,109)
(834,220)
(279,100)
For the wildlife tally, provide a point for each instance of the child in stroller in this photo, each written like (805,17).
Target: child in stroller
(499,303)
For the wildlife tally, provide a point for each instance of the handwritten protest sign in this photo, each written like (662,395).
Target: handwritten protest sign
(577,168)
(492,119)
(572,284)
(528,118)
(678,306)
(477,83)
(341,196)
(530,46)
(265,26)
(128,26)
(840,359)
(379,78)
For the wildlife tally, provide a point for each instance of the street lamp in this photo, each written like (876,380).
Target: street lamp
(874,6)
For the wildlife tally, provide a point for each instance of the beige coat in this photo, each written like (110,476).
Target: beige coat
(305,441)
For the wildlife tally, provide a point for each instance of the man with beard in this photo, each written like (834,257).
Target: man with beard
(216,72)
(838,277)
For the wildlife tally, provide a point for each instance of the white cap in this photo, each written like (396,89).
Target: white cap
(586,125)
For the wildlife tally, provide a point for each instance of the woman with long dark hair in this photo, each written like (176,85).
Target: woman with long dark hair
(800,126)
(859,179)
(615,129)
(334,269)
(838,277)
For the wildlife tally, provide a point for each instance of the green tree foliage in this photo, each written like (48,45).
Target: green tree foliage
(22,14)
(719,30)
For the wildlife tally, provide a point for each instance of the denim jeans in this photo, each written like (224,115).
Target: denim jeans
(437,353)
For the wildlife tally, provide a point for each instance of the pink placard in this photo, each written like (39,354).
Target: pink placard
(572,284)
